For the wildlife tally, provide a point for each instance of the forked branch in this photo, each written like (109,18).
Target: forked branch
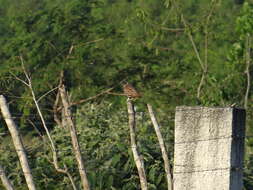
(52,145)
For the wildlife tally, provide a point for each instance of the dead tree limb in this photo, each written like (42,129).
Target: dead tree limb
(17,143)
(5,181)
(52,145)
(73,133)
(162,147)
(247,71)
(137,158)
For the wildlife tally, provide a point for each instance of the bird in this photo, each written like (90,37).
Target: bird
(130,91)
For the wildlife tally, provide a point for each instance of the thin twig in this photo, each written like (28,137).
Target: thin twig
(202,64)
(116,94)
(90,42)
(19,79)
(26,74)
(204,71)
(192,42)
(77,45)
(37,130)
(92,97)
(172,29)
(108,91)
(47,93)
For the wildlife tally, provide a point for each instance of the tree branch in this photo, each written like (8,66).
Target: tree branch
(52,145)
(162,147)
(5,181)
(73,134)
(248,60)
(18,144)
(47,93)
(92,97)
(137,158)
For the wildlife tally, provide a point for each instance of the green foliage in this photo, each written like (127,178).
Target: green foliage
(102,42)
(104,140)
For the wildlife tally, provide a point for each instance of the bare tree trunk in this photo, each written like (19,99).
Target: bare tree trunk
(162,147)
(74,138)
(17,143)
(6,182)
(137,159)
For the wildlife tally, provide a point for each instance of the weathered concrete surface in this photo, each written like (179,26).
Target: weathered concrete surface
(209,145)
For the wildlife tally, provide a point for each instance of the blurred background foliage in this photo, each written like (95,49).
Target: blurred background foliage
(158,46)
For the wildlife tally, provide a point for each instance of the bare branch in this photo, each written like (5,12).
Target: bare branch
(19,79)
(71,49)
(108,91)
(75,143)
(203,67)
(36,129)
(90,42)
(18,144)
(77,45)
(202,64)
(24,70)
(247,71)
(63,171)
(172,29)
(204,71)
(193,43)
(201,84)
(116,94)
(47,93)
(70,177)
(92,97)
(162,147)
(137,158)
(52,145)
(5,181)
(55,111)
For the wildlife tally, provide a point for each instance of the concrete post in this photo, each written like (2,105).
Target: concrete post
(209,148)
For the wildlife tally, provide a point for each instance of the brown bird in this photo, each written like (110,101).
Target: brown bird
(130,91)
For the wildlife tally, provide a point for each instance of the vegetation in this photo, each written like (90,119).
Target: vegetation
(175,52)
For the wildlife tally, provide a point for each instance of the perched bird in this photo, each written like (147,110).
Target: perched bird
(130,91)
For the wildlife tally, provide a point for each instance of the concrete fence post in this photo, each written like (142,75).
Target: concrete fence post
(209,148)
